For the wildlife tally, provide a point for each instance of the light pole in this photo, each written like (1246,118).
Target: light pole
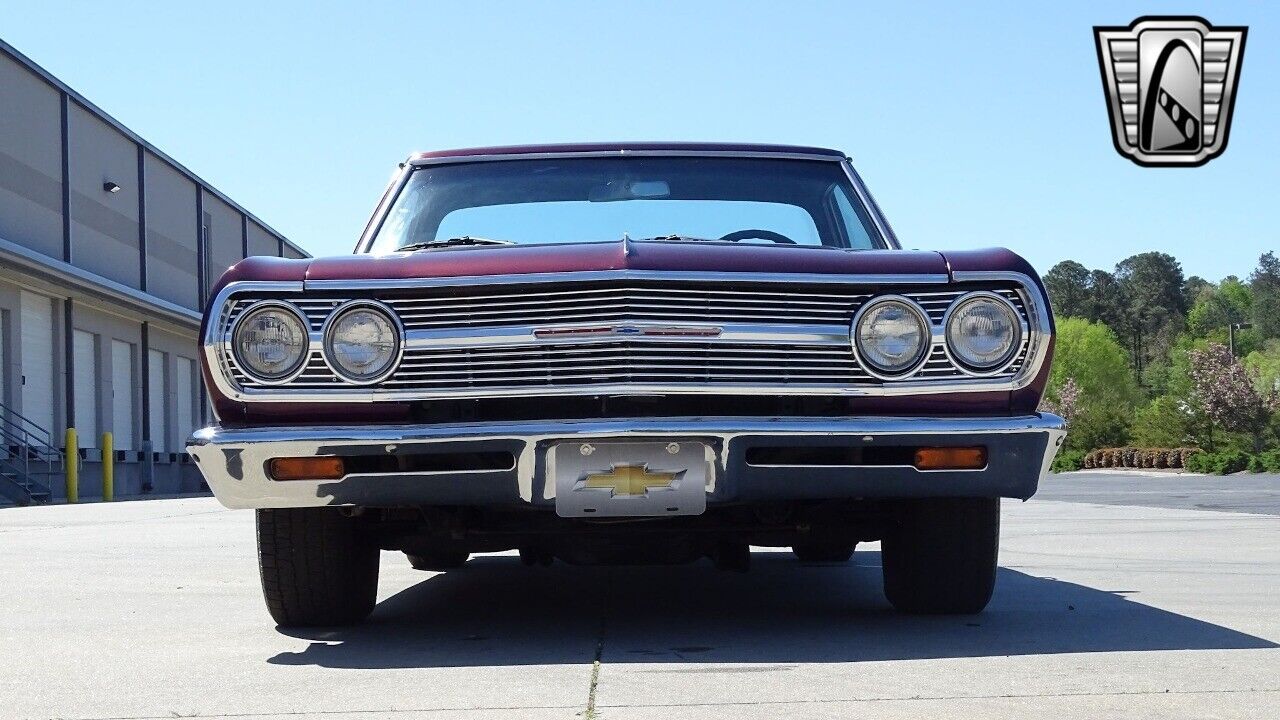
(1231,335)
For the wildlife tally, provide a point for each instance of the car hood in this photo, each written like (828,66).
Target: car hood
(603,256)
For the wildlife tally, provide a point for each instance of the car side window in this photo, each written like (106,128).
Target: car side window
(855,223)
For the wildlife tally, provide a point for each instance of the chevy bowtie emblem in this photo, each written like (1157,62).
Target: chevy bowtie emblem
(628,329)
(630,480)
(1171,87)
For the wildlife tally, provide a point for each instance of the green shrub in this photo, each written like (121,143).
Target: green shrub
(1197,463)
(1099,424)
(1269,461)
(1068,460)
(1163,422)
(1230,462)
(1219,463)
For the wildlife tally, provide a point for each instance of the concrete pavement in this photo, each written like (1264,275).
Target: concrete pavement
(152,609)
(1243,492)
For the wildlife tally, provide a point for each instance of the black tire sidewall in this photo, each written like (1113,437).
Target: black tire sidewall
(940,555)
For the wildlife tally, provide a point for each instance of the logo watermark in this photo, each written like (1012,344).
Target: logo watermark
(1171,85)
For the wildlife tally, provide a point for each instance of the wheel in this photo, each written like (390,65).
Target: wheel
(939,558)
(319,567)
(437,560)
(824,552)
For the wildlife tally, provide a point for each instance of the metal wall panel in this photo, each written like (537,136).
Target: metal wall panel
(30,160)
(262,242)
(171,234)
(104,225)
(225,247)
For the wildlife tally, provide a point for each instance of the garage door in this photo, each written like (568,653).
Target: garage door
(85,346)
(158,400)
(122,394)
(184,387)
(37,359)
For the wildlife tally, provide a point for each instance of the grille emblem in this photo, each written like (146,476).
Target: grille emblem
(630,480)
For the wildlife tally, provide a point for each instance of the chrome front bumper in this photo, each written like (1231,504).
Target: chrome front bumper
(1019,451)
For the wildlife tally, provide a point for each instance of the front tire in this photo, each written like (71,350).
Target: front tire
(939,557)
(319,567)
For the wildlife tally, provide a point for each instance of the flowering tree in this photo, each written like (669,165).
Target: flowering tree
(1228,393)
(1067,402)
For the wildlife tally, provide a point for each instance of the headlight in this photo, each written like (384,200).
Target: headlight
(983,331)
(891,335)
(270,341)
(362,342)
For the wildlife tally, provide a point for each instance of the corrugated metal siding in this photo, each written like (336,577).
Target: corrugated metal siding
(30,160)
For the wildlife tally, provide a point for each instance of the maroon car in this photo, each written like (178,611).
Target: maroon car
(629,353)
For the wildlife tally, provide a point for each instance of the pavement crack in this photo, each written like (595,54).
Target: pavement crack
(606,592)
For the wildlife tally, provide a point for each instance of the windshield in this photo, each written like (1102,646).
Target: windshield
(576,199)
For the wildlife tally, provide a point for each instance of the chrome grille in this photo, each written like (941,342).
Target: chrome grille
(444,358)
(614,304)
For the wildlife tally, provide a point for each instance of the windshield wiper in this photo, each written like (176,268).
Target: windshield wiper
(684,238)
(452,242)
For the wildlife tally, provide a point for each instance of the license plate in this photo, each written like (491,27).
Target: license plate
(629,479)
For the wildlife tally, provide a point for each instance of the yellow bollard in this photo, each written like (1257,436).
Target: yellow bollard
(73,466)
(108,468)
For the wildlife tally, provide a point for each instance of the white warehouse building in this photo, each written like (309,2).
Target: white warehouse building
(107,250)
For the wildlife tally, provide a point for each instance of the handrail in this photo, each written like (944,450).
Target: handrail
(23,437)
(5,419)
(33,443)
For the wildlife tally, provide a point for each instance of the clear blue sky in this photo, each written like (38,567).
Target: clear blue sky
(974,125)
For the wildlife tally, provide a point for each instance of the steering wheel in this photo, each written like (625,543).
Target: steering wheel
(759,234)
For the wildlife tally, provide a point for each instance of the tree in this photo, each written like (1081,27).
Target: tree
(1068,286)
(1154,307)
(1066,401)
(1089,354)
(1192,288)
(1264,365)
(1089,358)
(1228,393)
(1166,421)
(1265,286)
(1231,301)
(1106,302)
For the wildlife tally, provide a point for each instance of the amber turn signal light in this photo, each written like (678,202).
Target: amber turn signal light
(306,468)
(951,458)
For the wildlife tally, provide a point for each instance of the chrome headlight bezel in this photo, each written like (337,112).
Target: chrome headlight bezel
(926,339)
(1019,325)
(326,341)
(288,310)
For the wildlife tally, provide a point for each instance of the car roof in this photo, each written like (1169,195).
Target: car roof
(625,147)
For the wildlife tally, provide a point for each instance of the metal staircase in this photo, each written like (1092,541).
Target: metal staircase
(29,461)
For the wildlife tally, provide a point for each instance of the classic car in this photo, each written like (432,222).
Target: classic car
(623,354)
